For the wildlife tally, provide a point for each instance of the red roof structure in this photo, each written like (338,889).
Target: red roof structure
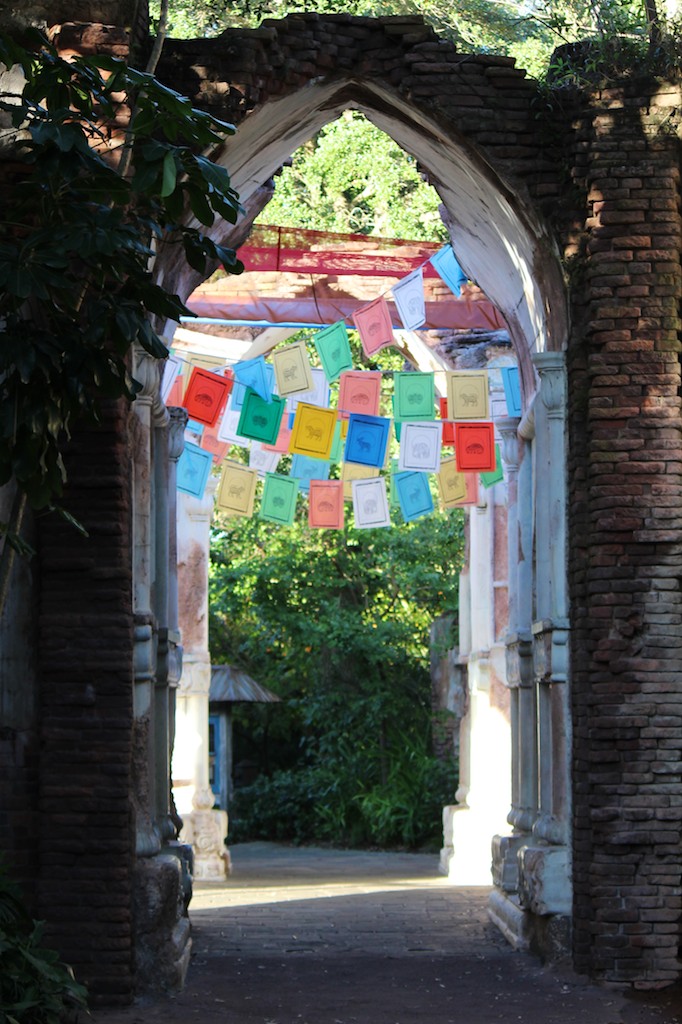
(295,276)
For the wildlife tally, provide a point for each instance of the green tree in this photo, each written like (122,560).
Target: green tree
(337,623)
(351,177)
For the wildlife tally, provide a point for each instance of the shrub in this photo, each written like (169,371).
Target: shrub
(35,988)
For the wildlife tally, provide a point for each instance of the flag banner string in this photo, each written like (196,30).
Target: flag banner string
(281,408)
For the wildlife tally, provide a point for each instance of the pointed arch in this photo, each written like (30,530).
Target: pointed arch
(497,235)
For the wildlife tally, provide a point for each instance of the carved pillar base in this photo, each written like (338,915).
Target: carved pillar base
(205,829)
(162,930)
(545,880)
(505,861)
(537,918)
(508,916)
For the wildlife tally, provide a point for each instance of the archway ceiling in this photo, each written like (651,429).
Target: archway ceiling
(497,239)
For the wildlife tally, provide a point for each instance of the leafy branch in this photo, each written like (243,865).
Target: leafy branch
(105,163)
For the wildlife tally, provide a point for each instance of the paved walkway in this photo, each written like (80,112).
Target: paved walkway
(316,936)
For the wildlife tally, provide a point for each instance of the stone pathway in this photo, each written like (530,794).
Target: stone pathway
(317,936)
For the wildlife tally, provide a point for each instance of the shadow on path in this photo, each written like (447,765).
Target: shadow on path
(316,936)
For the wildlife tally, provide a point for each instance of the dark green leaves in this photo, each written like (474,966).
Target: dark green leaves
(76,240)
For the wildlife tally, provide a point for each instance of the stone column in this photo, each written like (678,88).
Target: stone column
(148,840)
(544,884)
(162,933)
(163,819)
(520,644)
(203,827)
(176,444)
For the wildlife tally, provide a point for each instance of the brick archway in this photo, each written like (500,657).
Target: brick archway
(611,191)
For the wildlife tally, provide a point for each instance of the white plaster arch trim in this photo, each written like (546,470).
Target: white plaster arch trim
(498,238)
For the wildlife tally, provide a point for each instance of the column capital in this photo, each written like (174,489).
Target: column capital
(508,429)
(176,438)
(147,373)
(551,367)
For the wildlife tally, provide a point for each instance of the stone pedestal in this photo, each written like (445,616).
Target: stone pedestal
(205,829)
(544,882)
(162,928)
(505,851)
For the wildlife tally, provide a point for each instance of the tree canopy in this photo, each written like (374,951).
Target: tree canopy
(337,624)
(351,177)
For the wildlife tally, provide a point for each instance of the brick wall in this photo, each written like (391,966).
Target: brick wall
(86,645)
(625,560)
(488,99)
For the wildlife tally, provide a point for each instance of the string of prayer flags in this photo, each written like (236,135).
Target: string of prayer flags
(448,269)
(413,396)
(292,369)
(373,323)
(467,394)
(278,503)
(475,447)
(512,389)
(420,445)
(206,395)
(367,440)
(306,468)
(360,391)
(333,348)
(351,471)
(262,459)
(259,419)
(414,495)
(325,504)
(409,299)
(283,406)
(313,431)
(194,465)
(456,488)
(237,489)
(370,504)
(448,425)
(253,373)
(488,479)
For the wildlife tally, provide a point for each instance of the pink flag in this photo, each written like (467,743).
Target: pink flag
(373,322)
